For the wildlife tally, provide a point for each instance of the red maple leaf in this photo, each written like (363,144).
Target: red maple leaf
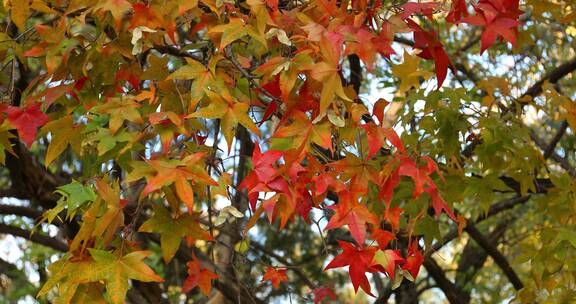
(392,215)
(378,109)
(26,121)
(409,168)
(439,204)
(415,8)
(386,261)
(432,166)
(382,237)
(130,75)
(359,261)
(324,181)
(414,259)
(499,19)
(420,175)
(383,42)
(198,276)
(275,275)
(432,49)
(264,163)
(394,139)
(355,215)
(458,11)
(144,15)
(272,4)
(263,174)
(376,139)
(273,88)
(388,184)
(321,293)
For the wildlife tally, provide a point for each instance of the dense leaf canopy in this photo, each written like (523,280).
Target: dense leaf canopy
(283,151)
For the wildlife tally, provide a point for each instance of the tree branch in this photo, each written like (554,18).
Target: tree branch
(20,211)
(282,260)
(472,259)
(551,77)
(355,72)
(553,155)
(17,276)
(494,210)
(224,246)
(552,145)
(503,206)
(454,294)
(496,255)
(171,50)
(230,56)
(34,237)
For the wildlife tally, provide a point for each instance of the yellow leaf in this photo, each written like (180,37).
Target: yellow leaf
(328,92)
(5,145)
(40,5)
(192,70)
(185,192)
(117,271)
(259,9)
(120,109)
(241,114)
(63,133)
(408,73)
(118,8)
(322,70)
(19,11)
(186,5)
(231,31)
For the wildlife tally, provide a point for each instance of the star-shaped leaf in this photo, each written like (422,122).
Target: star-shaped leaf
(388,259)
(63,133)
(499,19)
(275,275)
(118,8)
(458,11)
(414,259)
(383,237)
(173,229)
(432,49)
(355,215)
(73,196)
(27,120)
(198,276)
(359,260)
(179,173)
(116,272)
(120,109)
(230,112)
(409,73)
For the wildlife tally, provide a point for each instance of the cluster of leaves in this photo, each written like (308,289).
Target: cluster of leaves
(146,102)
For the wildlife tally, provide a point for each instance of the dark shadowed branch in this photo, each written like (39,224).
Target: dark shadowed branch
(35,237)
(496,255)
(454,294)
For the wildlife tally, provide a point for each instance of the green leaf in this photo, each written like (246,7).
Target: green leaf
(569,235)
(172,230)
(117,271)
(73,196)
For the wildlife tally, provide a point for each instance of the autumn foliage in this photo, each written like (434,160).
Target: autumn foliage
(240,151)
